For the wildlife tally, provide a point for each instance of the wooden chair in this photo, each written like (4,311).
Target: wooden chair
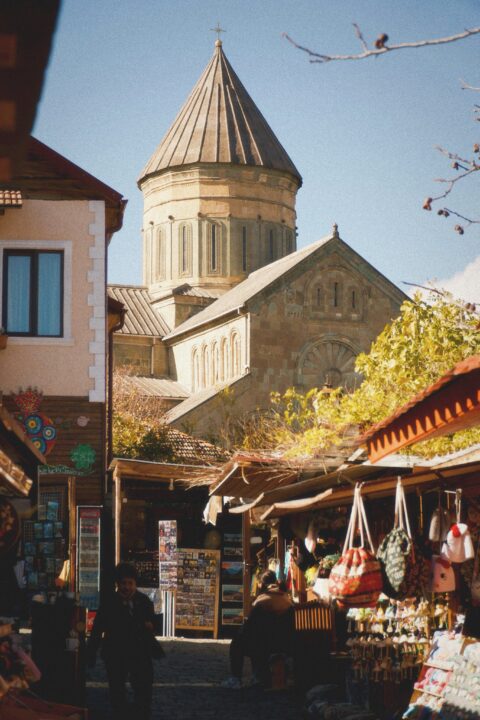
(314,640)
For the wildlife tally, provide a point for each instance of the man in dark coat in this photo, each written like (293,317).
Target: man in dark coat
(124,626)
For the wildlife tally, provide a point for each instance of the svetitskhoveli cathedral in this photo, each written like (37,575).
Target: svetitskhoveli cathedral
(227,298)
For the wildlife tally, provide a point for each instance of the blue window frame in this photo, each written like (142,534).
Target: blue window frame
(33,293)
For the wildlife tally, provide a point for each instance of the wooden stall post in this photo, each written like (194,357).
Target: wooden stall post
(118,513)
(247,563)
(72,531)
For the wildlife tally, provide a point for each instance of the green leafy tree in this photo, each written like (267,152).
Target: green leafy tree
(428,338)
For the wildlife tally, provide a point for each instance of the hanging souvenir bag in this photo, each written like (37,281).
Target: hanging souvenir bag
(356,579)
(396,550)
(443,575)
(458,547)
(440,522)
(406,572)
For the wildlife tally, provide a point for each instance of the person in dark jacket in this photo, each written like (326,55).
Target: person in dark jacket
(124,627)
(267,630)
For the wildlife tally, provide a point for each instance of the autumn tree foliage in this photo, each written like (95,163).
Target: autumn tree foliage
(137,427)
(429,337)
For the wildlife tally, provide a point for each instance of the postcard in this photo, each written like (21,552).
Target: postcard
(232,593)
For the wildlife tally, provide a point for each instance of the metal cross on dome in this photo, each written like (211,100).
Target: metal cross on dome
(218,30)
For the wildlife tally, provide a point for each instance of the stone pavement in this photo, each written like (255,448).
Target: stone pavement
(187,687)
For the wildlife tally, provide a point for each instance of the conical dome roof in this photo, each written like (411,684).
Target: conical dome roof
(219,123)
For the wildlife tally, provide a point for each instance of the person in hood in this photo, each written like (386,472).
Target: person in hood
(268,630)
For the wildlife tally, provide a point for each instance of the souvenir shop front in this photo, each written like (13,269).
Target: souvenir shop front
(20,677)
(181,560)
(397,563)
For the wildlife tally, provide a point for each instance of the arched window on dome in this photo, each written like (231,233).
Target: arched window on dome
(160,254)
(235,355)
(244,248)
(214,248)
(185,248)
(271,245)
(288,242)
(195,370)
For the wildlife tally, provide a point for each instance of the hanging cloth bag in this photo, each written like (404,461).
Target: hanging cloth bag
(458,547)
(406,571)
(356,579)
(440,522)
(396,552)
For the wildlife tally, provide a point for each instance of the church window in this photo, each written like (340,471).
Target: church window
(214,247)
(195,370)
(336,294)
(235,354)
(271,246)
(354,299)
(205,378)
(244,249)
(160,255)
(319,296)
(223,370)
(185,249)
(215,363)
(288,243)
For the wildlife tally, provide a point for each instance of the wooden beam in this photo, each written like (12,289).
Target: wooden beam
(118,514)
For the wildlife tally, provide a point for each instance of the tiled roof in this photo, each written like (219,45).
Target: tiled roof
(156,387)
(255,283)
(219,123)
(192,450)
(140,318)
(11,198)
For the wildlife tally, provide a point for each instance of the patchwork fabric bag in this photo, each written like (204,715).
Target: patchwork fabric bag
(356,579)
(405,571)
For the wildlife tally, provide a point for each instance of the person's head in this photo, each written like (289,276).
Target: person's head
(126,579)
(267,578)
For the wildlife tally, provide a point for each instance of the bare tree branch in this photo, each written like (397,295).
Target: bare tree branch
(380,46)
(466,86)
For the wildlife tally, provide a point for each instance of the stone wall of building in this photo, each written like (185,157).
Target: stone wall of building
(211,225)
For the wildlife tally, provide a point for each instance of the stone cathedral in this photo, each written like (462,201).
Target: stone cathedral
(227,298)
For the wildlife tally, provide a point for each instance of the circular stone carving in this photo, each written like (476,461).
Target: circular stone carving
(328,362)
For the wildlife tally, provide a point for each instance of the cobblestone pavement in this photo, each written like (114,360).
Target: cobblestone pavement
(187,687)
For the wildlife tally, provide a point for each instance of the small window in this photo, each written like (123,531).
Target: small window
(33,293)
(354,300)
(319,296)
(244,249)
(335,294)
(160,255)
(289,243)
(271,246)
(213,248)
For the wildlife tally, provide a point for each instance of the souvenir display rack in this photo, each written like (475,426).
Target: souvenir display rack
(198,590)
(448,687)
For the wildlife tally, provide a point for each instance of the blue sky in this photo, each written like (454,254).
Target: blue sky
(362,134)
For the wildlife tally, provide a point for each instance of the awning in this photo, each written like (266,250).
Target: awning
(247,475)
(451,404)
(465,475)
(351,473)
(157,471)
